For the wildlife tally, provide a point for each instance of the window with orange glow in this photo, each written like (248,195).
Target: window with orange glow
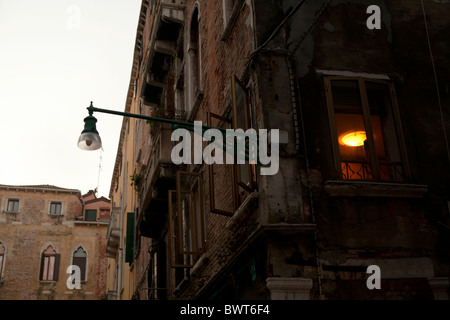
(366,129)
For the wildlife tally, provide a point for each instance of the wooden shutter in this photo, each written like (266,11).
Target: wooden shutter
(91,215)
(41,272)
(56,271)
(130,238)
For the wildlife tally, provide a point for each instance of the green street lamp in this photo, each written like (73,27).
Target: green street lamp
(90,139)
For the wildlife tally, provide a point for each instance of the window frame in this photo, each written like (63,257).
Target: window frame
(374,161)
(13,200)
(194,65)
(199,230)
(248,124)
(212,182)
(233,123)
(84,277)
(43,265)
(60,208)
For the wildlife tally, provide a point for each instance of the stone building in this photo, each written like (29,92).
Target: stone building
(42,233)
(360,96)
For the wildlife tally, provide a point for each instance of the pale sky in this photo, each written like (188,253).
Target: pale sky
(55,57)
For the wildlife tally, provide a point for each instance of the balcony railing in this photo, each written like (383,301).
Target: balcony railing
(361,170)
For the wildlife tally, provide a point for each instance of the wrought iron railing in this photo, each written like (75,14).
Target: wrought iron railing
(362,170)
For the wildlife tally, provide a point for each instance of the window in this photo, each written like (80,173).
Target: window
(186,220)
(13,205)
(55,208)
(243,175)
(90,215)
(223,190)
(49,265)
(367,135)
(2,259)
(79,258)
(157,275)
(195,85)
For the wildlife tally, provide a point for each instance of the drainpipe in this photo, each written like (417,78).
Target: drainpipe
(296,101)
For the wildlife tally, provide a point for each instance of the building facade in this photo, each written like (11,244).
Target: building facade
(42,234)
(360,97)
(95,209)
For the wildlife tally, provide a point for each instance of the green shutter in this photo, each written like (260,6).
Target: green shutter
(91,215)
(129,252)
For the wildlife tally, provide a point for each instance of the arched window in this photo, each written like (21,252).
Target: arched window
(79,258)
(194,59)
(49,265)
(2,259)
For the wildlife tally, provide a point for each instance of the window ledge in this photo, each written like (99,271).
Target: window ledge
(199,265)
(290,229)
(374,189)
(240,213)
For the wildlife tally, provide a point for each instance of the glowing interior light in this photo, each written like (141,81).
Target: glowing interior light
(354,139)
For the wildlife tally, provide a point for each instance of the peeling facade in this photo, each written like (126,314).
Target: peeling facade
(363,177)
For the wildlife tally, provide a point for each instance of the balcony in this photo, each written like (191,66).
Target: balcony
(113,235)
(165,39)
(158,176)
(157,179)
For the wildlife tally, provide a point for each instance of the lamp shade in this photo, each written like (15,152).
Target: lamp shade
(89,141)
(89,138)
